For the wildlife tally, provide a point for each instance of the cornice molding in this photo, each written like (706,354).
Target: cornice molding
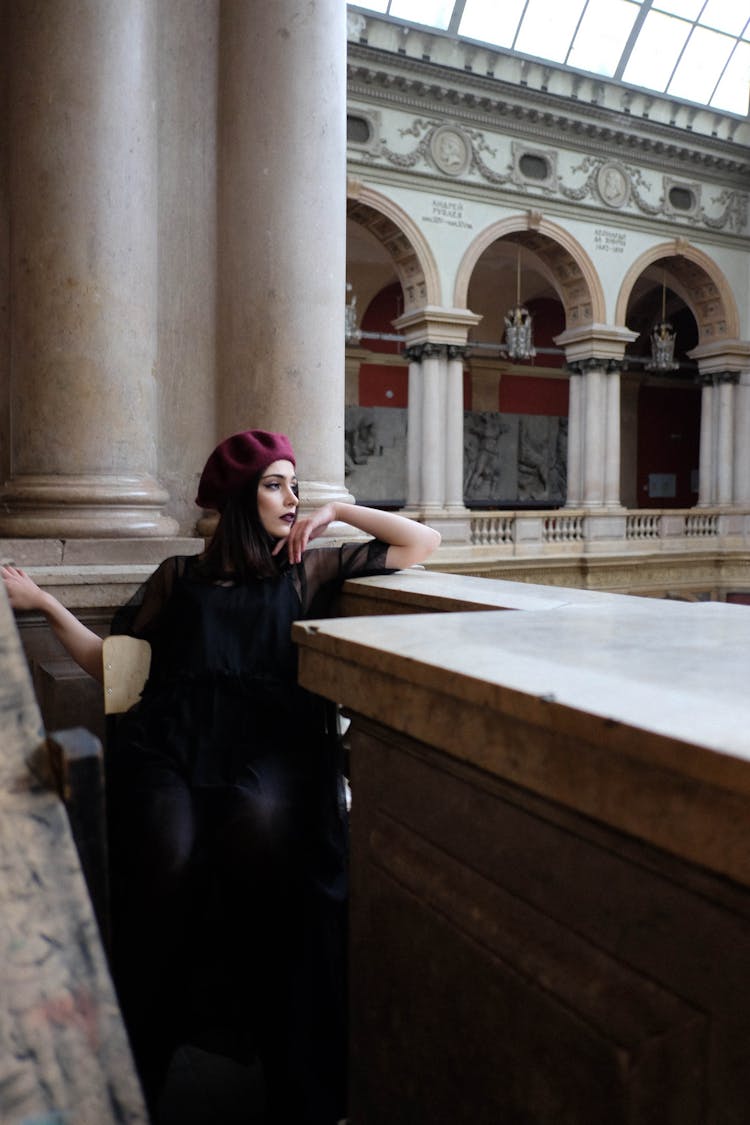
(413,84)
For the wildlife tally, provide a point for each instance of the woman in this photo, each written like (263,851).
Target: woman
(228,829)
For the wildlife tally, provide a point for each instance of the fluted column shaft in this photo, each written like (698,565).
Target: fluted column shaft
(725,440)
(742,441)
(414,436)
(433,430)
(454,430)
(612,440)
(706,472)
(83,270)
(282,213)
(575,440)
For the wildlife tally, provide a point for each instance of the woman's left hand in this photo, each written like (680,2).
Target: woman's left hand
(305,529)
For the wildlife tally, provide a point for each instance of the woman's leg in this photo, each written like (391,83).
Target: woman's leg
(152,838)
(286,944)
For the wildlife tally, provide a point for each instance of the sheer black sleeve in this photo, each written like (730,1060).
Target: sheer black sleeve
(324,570)
(139,616)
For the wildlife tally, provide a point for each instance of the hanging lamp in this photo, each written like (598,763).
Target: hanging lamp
(663,339)
(519,340)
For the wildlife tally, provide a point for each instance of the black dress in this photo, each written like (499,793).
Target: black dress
(228,831)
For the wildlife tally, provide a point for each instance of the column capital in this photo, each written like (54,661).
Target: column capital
(594,363)
(415,353)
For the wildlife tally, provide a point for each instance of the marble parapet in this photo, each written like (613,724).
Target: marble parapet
(631,711)
(422,591)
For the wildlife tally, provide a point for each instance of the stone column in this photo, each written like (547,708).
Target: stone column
(414,429)
(435,347)
(83,271)
(706,474)
(725,438)
(612,437)
(282,214)
(575,439)
(595,353)
(433,429)
(594,422)
(742,441)
(454,429)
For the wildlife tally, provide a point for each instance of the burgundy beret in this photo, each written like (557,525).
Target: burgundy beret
(236,461)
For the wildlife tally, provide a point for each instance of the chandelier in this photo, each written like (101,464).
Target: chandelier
(663,339)
(352,333)
(519,341)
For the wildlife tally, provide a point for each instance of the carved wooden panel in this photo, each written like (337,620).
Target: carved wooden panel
(514,962)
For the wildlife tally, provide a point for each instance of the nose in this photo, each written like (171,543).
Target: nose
(292,497)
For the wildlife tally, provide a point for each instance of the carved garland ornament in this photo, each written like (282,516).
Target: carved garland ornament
(455,151)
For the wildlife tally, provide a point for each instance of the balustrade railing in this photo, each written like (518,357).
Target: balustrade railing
(561,528)
(491,530)
(701,525)
(519,531)
(643,525)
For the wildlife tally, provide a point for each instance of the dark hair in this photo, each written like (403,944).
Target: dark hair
(241,546)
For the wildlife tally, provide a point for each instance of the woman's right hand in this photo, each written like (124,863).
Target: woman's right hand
(22,591)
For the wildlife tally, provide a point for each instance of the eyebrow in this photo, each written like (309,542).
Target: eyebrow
(278,476)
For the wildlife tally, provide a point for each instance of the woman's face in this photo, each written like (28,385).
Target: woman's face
(277,498)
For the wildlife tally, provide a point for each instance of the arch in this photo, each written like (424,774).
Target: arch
(569,268)
(699,281)
(403,241)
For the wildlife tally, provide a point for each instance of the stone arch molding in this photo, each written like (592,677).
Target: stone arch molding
(698,280)
(565,262)
(403,241)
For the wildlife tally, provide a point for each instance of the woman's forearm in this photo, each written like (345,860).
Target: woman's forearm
(409,542)
(83,645)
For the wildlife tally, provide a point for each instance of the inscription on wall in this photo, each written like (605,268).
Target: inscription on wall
(449,211)
(609,241)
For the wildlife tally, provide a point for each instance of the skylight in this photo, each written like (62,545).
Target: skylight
(694,50)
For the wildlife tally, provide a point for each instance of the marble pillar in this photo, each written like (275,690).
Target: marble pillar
(454,430)
(433,429)
(594,423)
(612,439)
(282,232)
(414,431)
(83,271)
(725,439)
(706,476)
(742,441)
(575,439)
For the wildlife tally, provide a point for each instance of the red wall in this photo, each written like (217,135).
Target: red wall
(521,394)
(379,316)
(376,380)
(668,442)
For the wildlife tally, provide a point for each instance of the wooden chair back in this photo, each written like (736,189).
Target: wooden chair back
(126,666)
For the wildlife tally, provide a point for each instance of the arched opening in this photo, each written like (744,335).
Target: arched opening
(389,270)
(661,407)
(516,421)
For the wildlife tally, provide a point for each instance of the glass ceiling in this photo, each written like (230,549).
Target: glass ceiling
(694,50)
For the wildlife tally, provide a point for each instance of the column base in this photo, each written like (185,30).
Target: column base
(85,506)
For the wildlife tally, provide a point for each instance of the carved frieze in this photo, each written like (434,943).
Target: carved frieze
(458,152)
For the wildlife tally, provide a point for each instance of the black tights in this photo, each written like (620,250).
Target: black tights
(215,928)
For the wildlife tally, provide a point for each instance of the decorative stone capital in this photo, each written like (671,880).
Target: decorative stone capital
(434,325)
(601,342)
(594,363)
(722,356)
